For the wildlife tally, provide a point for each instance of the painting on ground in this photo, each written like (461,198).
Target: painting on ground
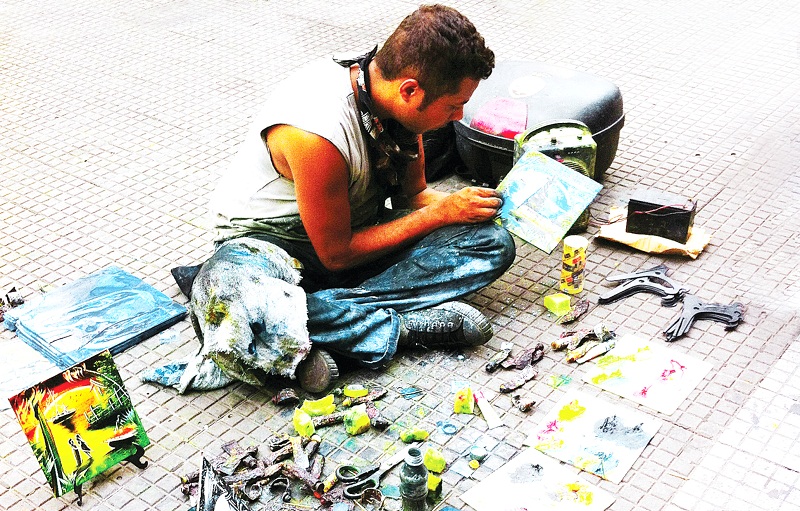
(532,480)
(647,373)
(594,435)
(80,422)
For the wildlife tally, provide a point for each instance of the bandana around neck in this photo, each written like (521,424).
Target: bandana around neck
(392,145)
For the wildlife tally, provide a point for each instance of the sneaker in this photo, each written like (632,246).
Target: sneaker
(317,371)
(448,325)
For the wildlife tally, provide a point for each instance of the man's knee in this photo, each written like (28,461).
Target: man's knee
(498,242)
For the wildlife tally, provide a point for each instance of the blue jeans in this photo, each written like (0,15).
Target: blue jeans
(355,313)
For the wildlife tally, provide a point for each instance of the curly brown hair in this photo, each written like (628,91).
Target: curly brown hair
(440,47)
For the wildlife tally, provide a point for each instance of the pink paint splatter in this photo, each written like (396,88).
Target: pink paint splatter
(675,367)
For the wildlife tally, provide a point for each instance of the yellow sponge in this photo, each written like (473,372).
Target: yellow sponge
(557,303)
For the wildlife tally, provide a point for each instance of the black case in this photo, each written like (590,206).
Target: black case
(552,93)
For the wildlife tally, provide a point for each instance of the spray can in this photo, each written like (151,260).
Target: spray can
(413,481)
(573,264)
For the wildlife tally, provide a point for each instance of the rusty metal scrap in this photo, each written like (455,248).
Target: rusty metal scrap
(518,381)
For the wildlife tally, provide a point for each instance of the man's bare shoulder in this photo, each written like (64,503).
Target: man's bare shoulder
(291,147)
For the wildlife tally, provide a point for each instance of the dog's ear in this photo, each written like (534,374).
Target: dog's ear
(184,276)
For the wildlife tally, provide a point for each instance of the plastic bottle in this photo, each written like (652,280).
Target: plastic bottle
(413,481)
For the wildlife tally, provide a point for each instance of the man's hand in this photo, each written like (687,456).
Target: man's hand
(470,205)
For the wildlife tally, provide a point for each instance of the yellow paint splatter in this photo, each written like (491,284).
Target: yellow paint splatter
(549,445)
(571,411)
(576,492)
(608,360)
(600,378)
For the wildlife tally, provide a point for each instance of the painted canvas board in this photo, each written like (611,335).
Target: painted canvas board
(594,435)
(107,310)
(542,198)
(532,480)
(80,422)
(650,374)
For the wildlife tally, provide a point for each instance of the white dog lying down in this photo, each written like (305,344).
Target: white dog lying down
(250,317)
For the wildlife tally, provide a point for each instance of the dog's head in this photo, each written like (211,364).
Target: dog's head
(248,312)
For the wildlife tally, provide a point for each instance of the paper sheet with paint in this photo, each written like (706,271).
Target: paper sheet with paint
(532,480)
(594,435)
(648,373)
(542,198)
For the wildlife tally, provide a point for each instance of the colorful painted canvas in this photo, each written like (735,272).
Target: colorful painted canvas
(80,422)
(594,435)
(542,198)
(650,374)
(532,480)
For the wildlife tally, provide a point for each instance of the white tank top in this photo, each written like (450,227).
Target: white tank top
(252,197)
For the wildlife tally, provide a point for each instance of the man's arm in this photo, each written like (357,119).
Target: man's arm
(320,175)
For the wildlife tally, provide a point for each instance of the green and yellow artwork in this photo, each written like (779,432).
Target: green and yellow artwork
(80,422)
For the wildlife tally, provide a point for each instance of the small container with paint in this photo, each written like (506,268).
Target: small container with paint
(477,453)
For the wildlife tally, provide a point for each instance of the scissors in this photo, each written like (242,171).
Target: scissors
(358,480)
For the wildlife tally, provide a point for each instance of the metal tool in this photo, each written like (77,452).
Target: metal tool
(653,281)
(281,485)
(358,480)
(277,441)
(694,309)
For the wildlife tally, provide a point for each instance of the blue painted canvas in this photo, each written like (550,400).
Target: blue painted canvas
(106,310)
(542,198)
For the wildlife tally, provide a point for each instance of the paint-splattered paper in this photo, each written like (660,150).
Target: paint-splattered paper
(532,480)
(647,373)
(80,422)
(594,435)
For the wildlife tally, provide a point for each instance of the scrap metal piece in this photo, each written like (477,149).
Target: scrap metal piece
(292,471)
(574,339)
(286,397)
(281,485)
(653,280)
(277,441)
(522,405)
(374,395)
(496,359)
(275,457)
(410,392)
(571,340)
(376,420)
(316,469)
(579,309)
(312,445)
(234,455)
(694,309)
(521,379)
(328,420)
(299,455)
(528,357)
(262,472)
